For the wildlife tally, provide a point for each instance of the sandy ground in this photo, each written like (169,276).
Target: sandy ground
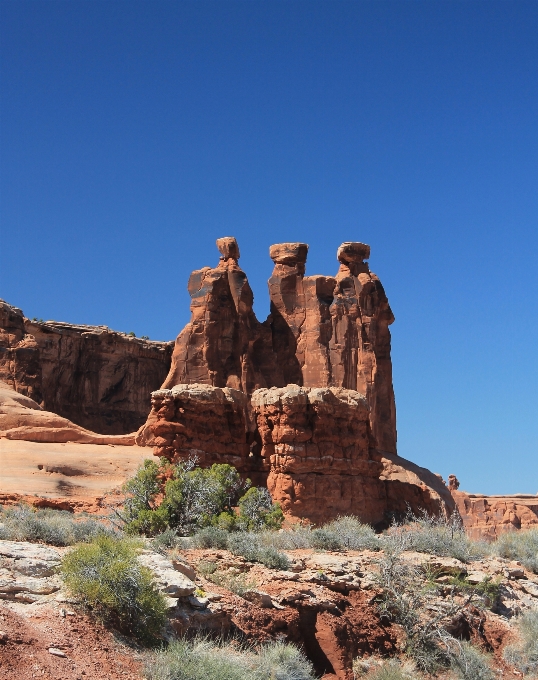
(65,470)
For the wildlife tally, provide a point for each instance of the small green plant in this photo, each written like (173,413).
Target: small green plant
(205,659)
(210,537)
(249,546)
(386,670)
(44,525)
(144,337)
(521,546)
(132,334)
(487,590)
(106,575)
(524,655)
(236,583)
(199,592)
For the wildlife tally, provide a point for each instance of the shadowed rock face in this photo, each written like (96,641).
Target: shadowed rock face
(97,378)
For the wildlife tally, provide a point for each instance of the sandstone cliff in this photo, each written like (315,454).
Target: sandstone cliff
(97,378)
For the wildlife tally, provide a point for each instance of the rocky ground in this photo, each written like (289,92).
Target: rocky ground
(326,603)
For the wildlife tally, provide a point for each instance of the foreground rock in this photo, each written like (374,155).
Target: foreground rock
(97,378)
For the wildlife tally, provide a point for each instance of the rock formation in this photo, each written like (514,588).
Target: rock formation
(487,517)
(97,378)
(223,345)
(312,446)
(22,418)
(334,332)
(209,423)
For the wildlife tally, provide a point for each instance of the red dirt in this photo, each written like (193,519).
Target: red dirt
(91,651)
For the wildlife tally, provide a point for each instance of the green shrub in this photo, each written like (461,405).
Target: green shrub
(257,511)
(107,576)
(386,670)
(524,656)
(55,527)
(521,546)
(352,534)
(236,583)
(205,659)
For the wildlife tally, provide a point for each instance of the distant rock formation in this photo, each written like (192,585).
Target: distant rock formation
(487,517)
(97,378)
(22,418)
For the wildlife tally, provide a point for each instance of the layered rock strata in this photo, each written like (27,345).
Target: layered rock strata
(210,424)
(313,448)
(22,418)
(487,517)
(97,378)
(317,444)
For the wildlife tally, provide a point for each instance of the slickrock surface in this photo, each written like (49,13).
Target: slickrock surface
(487,517)
(211,423)
(95,377)
(22,418)
(64,476)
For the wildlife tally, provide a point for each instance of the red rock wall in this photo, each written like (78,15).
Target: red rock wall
(97,378)
(487,517)
(209,423)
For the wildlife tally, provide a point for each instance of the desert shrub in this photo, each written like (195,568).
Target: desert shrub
(291,539)
(166,540)
(250,546)
(210,537)
(468,662)
(524,656)
(44,525)
(442,536)
(386,670)
(257,511)
(206,568)
(205,659)
(352,534)
(236,583)
(521,546)
(107,576)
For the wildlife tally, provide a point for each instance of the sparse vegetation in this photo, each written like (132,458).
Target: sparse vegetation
(205,659)
(520,545)
(468,662)
(106,575)
(44,525)
(524,656)
(442,536)
(390,669)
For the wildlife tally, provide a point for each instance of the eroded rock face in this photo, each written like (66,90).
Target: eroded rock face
(334,332)
(223,345)
(487,517)
(318,447)
(209,423)
(97,378)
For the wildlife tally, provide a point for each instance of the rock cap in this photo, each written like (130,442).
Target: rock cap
(288,253)
(353,252)
(228,247)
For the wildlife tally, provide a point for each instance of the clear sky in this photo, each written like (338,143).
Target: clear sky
(133,134)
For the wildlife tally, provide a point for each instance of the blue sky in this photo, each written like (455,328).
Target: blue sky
(133,134)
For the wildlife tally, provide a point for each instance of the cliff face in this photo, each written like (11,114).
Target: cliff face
(322,331)
(97,378)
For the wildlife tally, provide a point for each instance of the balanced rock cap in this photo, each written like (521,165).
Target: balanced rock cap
(288,253)
(228,247)
(353,252)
